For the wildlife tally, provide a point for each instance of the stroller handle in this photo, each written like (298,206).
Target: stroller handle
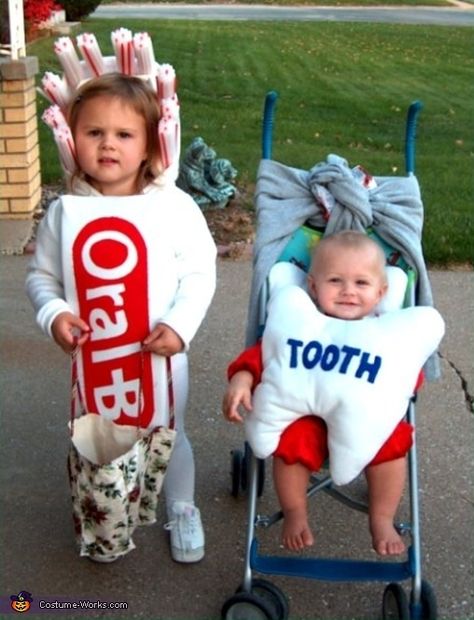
(267,129)
(410,136)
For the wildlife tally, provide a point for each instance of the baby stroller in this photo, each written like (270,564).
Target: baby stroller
(259,599)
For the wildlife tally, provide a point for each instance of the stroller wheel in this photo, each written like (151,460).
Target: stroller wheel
(395,603)
(236,471)
(245,606)
(429,608)
(272,595)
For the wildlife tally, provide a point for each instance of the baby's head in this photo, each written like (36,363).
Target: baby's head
(131,94)
(347,276)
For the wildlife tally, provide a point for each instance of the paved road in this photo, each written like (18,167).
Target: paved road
(38,553)
(401,15)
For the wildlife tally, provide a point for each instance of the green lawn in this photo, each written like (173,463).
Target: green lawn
(343,88)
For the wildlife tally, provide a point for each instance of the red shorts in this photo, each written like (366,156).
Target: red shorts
(305,441)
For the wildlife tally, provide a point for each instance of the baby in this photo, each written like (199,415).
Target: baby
(347,280)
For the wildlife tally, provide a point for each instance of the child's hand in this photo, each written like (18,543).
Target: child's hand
(238,393)
(69,331)
(163,340)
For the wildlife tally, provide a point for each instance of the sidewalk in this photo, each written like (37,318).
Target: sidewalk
(38,551)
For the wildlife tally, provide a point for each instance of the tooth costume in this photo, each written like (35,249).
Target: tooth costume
(358,376)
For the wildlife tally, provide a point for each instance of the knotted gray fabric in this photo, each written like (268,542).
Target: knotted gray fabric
(285,199)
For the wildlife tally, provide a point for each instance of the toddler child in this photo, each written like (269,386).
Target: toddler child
(114,123)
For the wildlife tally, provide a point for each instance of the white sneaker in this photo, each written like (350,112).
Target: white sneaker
(103,559)
(186,533)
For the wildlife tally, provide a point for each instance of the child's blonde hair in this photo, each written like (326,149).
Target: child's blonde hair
(135,93)
(351,239)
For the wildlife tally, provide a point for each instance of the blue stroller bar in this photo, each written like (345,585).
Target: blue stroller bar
(325,569)
(410,134)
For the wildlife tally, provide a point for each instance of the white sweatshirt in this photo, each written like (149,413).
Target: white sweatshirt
(188,273)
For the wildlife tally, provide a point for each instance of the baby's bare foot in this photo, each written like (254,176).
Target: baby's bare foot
(296,531)
(385,538)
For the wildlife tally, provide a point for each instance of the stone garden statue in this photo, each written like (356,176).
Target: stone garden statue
(207,178)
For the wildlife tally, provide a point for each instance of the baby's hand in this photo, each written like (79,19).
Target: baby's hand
(69,331)
(238,393)
(163,340)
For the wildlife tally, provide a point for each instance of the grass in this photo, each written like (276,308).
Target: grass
(343,88)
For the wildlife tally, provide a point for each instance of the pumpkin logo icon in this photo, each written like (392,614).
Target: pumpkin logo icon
(21,602)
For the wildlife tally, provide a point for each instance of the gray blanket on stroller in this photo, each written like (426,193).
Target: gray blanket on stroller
(286,199)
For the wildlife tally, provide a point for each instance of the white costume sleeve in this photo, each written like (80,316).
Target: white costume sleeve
(196,268)
(44,280)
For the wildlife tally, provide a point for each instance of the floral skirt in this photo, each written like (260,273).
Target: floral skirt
(111,499)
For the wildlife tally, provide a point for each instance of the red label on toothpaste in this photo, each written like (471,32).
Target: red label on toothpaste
(110,271)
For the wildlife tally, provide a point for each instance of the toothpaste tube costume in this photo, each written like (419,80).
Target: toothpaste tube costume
(125,263)
(172,282)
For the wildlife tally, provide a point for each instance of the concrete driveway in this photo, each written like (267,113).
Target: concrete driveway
(38,553)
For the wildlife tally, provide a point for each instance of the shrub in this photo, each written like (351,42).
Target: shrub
(76,9)
(37,11)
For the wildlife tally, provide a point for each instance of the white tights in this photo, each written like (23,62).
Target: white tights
(180,476)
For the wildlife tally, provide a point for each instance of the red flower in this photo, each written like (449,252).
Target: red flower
(92,512)
(134,495)
(37,11)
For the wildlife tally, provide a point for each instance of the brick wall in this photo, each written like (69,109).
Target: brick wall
(20,179)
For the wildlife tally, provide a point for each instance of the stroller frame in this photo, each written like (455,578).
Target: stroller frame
(260,599)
